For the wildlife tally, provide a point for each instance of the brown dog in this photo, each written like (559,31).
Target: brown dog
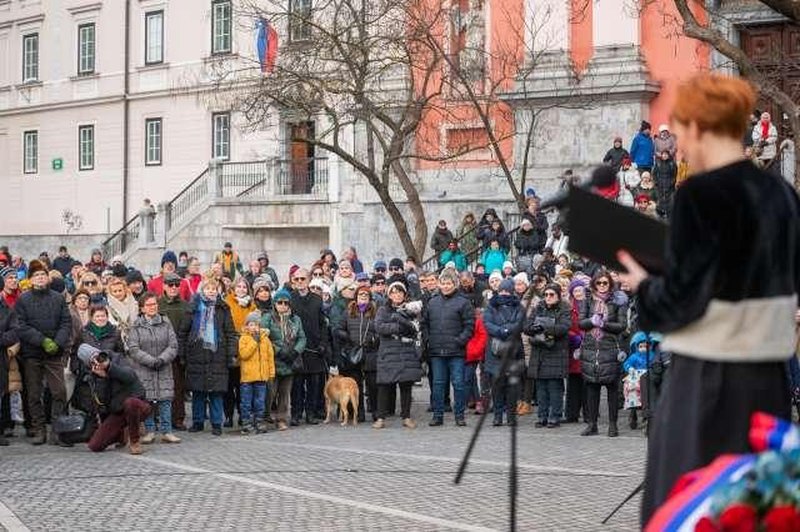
(341,391)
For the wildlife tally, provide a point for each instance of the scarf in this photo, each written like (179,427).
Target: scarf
(362,307)
(204,321)
(99,332)
(243,301)
(599,307)
(764,130)
(287,333)
(264,306)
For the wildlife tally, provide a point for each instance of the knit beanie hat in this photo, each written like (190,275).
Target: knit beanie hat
(506,286)
(169,256)
(449,275)
(282,295)
(397,285)
(496,274)
(253,317)
(36,266)
(575,284)
(8,270)
(522,277)
(396,263)
(134,276)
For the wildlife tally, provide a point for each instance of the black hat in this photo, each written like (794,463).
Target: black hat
(57,285)
(645,125)
(228,245)
(378,277)
(395,263)
(172,277)
(134,276)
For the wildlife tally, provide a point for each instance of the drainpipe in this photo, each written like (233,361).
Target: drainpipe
(126,114)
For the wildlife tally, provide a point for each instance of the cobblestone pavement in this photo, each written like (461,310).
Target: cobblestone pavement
(328,478)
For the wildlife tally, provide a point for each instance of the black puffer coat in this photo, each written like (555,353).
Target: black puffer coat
(398,357)
(359,330)
(206,370)
(8,337)
(42,314)
(550,346)
(529,242)
(447,324)
(600,358)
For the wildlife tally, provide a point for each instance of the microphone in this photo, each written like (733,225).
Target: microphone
(602,177)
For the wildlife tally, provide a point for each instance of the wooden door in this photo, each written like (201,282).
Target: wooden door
(301,157)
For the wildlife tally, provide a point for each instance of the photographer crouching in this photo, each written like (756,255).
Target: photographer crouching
(111,390)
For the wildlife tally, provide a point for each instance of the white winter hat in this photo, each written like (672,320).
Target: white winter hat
(522,277)
(508,264)
(663,127)
(496,275)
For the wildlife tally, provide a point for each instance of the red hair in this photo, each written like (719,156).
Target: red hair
(716,103)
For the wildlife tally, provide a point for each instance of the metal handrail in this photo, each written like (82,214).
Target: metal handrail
(432,262)
(474,254)
(187,199)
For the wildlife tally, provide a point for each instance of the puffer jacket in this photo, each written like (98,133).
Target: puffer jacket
(493,259)
(360,330)
(503,318)
(447,325)
(440,239)
(8,337)
(42,314)
(256,358)
(529,242)
(288,340)
(600,357)
(207,370)
(149,342)
(550,349)
(398,356)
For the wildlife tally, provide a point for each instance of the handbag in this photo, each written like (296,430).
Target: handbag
(354,356)
(73,428)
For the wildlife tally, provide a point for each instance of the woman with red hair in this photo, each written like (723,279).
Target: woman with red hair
(727,301)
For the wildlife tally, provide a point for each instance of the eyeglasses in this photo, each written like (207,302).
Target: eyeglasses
(282,302)
(550,294)
(174,284)
(364,295)
(601,283)
(380,283)
(315,288)
(395,269)
(380,270)
(299,278)
(318,274)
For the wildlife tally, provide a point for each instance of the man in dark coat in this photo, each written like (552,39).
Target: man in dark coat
(441,237)
(44,330)
(8,337)
(447,323)
(307,384)
(175,308)
(63,262)
(615,155)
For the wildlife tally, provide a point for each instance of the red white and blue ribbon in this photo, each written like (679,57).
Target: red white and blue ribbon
(770,433)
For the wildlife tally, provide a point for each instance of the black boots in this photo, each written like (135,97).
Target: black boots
(590,430)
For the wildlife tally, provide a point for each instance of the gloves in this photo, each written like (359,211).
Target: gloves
(49,346)
(158,364)
(537,329)
(597,320)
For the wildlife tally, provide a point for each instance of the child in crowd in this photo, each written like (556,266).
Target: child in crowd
(257,361)
(633,368)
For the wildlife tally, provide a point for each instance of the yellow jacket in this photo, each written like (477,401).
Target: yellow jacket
(257,358)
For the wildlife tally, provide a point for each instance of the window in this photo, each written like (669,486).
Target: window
(299,20)
(221,26)
(221,142)
(30,149)
(154,37)
(152,155)
(85,147)
(30,58)
(86,49)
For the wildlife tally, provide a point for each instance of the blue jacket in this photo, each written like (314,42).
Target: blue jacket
(493,259)
(503,318)
(637,360)
(643,150)
(456,256)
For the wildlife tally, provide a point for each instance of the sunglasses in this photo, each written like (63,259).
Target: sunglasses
(395,269)
(315,289)
(380,269)
(174,284)
(89,283)
(601,283)
(380,283)
(550,294)
(282,302)
(299,278)
(318,274)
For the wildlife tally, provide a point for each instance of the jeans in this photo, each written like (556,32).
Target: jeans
(164,417)
(431,387)
(550,396)
(306,389)
(253,397)
(444,368)
(134,410)
(215,400)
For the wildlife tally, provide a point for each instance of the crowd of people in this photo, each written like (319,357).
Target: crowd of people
(505,325)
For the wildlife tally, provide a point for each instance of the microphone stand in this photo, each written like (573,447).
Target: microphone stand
(506,364)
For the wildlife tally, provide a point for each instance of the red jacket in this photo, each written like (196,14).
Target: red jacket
(156,285)
(476,346)
(190,285)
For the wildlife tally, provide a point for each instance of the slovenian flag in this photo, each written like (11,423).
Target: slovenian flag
(266,45)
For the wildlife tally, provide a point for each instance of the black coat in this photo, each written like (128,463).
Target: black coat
(550,346)
(9,327)
(309,309)
(398,356)
(614,157)
(664,174)
(540,226)
(63,264)
(111,343)
(206,370)
(359,330)
(42,314)
(447,324)
(529,242)
(440,239)
(106,395)
(600,358)
(503,318)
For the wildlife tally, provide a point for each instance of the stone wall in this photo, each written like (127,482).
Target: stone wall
(29,246)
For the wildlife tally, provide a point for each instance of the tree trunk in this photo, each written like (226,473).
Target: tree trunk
(409,244)
(417,212)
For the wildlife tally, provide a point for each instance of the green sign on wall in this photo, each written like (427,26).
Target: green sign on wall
(58,164)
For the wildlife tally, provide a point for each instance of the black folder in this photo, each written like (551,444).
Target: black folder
(598,228)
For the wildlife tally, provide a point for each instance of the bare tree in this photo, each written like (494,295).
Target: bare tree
(707,32)
(365,73)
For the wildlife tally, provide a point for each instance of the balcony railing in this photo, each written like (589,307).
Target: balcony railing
(302,177)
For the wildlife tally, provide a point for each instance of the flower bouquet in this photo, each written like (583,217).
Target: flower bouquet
(741,493)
